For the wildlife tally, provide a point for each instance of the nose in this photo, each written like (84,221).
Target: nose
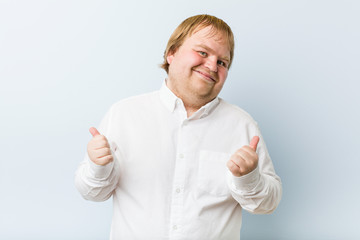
(211,64)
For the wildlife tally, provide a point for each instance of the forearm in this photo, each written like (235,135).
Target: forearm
(256,192)
(95,182)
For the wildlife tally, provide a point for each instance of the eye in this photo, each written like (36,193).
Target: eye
(221,63)
(204,54)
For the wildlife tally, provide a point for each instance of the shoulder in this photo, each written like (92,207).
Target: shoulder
(138,101)
(239,124)
(234,112)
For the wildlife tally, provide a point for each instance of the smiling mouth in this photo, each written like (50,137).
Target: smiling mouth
(207,76)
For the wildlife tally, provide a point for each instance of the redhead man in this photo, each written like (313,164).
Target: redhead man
(181,163)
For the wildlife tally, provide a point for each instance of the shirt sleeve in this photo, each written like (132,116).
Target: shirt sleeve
(259,191)
(96,182)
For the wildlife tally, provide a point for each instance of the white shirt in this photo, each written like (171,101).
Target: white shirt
(169,179)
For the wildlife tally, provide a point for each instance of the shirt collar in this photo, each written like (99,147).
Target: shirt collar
(169,99)
(206,109)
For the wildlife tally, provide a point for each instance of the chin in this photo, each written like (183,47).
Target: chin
(206,95)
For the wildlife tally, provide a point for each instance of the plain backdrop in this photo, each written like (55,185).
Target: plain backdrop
(64,63)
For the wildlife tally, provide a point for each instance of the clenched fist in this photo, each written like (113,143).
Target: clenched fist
(99,148)
(244,160)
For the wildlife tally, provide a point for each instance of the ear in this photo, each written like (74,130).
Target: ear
(169,58)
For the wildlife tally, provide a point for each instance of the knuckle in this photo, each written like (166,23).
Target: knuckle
(234,169)
(239,151)
(105,143)
(108,151)
(230,165)
(107,159)
(244,171)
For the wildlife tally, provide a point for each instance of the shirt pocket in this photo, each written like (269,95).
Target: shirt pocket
(212,173)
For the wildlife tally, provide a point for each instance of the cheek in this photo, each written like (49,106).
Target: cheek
(223,75)
(194,58)
(185,60)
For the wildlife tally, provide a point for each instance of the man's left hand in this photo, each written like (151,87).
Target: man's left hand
(244,160)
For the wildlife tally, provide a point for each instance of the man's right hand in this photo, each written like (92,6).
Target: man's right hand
(99,148)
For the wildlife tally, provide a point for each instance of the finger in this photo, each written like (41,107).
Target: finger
(249,150)
(254,142)
(94,132)
(103,152)
(234,169)
(239,160)
(238,167)
(100,141)
(235,162)
(244,155)
(105,160)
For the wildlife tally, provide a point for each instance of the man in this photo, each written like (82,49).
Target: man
(182,163)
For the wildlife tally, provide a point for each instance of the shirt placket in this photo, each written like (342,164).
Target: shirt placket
(177,205)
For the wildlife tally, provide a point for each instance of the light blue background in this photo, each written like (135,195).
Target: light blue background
(296,71)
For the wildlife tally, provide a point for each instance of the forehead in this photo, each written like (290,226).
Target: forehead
(210,37)
(209,33)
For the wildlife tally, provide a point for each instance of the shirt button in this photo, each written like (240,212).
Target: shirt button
(175,227)
(181,155)
(178,190)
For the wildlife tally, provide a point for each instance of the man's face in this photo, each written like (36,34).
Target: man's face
(199,67)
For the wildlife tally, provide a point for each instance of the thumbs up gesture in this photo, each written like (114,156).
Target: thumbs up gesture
(98,148)
(244,160)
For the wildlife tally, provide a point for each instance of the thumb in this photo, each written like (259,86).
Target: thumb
(94,132)
(254,142)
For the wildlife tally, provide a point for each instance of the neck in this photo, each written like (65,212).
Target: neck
(190,110)
(191,102)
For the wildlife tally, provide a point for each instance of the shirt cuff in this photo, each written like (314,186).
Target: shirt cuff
(99,171)
(247,182)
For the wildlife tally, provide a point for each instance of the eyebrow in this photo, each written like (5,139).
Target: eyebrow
(210,50)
